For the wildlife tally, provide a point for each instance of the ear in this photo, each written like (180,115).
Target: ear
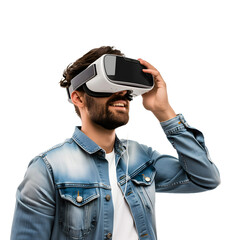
(77,98)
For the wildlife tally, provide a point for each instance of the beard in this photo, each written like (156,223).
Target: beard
(101,115)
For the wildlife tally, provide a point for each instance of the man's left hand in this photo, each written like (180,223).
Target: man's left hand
(156,100)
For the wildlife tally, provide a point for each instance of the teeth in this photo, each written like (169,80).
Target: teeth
(118,105)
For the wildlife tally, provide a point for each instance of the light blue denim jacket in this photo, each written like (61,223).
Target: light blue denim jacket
(63,194)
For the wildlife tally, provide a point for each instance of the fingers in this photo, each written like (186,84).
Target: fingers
(154,72)
(151,69)
(146,64)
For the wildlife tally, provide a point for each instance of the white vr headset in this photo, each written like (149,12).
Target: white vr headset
(110,74)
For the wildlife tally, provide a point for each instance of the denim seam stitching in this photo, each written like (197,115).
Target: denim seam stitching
(146,164)
(48,165)
(175,129)
(55,147)
(185,163)
(96,185)
(175,183)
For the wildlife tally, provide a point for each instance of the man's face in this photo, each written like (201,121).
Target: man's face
(110,112)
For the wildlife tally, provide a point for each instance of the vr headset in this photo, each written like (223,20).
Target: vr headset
(110,74)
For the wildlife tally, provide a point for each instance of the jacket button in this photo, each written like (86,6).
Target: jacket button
(109,235)
(108,197)
(79,199)
(147,179)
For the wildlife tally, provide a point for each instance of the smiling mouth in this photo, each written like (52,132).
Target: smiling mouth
(118,105)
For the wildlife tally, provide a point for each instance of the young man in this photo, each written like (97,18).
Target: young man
(95,186)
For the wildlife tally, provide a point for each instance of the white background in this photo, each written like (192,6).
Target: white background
(195,46)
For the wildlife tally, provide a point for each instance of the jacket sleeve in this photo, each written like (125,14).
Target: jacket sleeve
(193,170)
(35,204)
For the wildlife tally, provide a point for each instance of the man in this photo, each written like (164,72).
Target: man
(94,186)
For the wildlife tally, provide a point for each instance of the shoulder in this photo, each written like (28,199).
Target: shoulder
(43,164)
(60,147)
(59,152)
(65,161)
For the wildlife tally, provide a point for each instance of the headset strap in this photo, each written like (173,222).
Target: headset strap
(80,79)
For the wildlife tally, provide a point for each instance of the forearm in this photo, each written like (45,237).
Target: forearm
(165,114)
(192,153)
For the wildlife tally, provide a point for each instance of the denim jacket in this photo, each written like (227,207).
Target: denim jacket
(66,192)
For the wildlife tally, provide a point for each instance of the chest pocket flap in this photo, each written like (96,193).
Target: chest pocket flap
(145,177)
(79,196)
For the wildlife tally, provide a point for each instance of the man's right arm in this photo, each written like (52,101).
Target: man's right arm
(35,204)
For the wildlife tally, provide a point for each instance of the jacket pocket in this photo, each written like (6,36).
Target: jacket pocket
(145,187)
(78,210)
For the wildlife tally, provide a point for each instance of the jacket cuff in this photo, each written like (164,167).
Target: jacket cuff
(174,125)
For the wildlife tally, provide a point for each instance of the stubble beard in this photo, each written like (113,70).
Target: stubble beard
(101,115)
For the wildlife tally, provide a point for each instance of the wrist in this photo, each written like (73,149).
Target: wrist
(164,115)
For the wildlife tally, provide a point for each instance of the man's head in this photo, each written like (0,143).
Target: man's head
(108,112)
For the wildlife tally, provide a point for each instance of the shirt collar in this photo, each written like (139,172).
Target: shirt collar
(90,146)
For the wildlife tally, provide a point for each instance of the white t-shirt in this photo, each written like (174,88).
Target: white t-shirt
(123,224)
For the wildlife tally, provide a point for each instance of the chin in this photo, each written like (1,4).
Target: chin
(111,125)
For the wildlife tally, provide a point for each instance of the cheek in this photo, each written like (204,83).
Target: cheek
(97,110)
(96,105)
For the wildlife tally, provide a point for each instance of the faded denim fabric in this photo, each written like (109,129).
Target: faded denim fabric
(63,194)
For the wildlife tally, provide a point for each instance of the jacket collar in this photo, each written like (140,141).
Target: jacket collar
(89,146)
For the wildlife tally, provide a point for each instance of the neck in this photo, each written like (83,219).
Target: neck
(104,138)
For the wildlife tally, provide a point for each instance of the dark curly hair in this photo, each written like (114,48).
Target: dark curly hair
(82,63)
